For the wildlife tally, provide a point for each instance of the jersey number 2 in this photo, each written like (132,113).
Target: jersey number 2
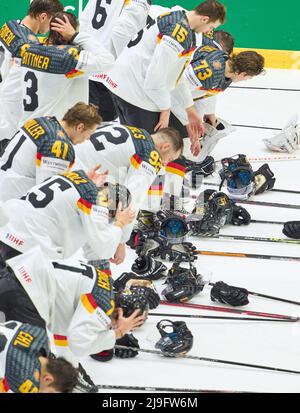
(31,92)
(100,15)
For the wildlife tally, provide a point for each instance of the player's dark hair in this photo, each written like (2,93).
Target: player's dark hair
(65,375)
(248,62)
(54,37)
(213,9)
(171,135)
(83,113)
(45,6)
(225,40)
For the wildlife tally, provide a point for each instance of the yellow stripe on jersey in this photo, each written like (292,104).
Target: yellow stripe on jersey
(135,161)
(74,73)
(84,206)
(88,302)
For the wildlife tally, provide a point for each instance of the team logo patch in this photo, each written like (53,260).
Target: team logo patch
(31,38)
(217,65)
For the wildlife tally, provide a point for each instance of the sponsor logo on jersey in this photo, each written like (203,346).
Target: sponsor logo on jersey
(60,341)
(34,129)
(99,213)
(6,35)
(52,164)
(217,65)
(103,318)
(24,274)
(111,82)
(14,239)
(148,169)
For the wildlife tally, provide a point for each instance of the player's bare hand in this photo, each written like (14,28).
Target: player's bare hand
(120,254)
(125,217)
(195,147)
(163,120)
(195,125)
(64,28)
(98,179)
(126,324)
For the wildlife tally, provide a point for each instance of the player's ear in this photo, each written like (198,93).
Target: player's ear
(205,19)
(165,147)
(43,17)
(80,127)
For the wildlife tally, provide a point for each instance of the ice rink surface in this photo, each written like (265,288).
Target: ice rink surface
(264,343)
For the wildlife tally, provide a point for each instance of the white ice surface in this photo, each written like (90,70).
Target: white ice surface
(270,344)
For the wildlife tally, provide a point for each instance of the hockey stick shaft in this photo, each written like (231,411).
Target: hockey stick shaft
(256,239)
(255,127)
(221,318)
(274,159)
(210,360)
(270,204)
(286,191)
(160,389)
(261,221)
(270,297)
(230,310)
(247,255)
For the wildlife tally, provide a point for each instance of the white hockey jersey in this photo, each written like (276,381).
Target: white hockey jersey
(54,78)
(61,215)
(130,156)
(40,149)
(76,300)
(151,65)
(20,348)
(12,36)
(113,23)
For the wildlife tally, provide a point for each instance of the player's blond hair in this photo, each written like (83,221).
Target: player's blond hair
(171,135)
(83,113)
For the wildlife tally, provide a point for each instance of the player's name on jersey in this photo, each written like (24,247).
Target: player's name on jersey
(34,129)
(34,60)
(6,35)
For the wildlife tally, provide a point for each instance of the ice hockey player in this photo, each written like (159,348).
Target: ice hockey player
(64,213)
(27,364)
(13,34)
(112,24)
(44,147)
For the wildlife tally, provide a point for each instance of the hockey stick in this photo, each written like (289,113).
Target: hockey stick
(256,127)
(160,389)
(270,297)
(260,221)
(270,204)
(256,239)
(230,310)
(221,318)
(274,159)
(264,88)
(211,360)
(246,255)
(286,191)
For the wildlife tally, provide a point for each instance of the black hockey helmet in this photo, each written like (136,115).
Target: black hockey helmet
(110,195)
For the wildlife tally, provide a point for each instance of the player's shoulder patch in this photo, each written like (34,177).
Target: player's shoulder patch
(86,188)
(176,26)
(13,35)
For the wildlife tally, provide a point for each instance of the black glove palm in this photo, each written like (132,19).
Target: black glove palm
(227,294)
(129,341)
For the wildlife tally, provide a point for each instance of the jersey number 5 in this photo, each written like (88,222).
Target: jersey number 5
(100,15)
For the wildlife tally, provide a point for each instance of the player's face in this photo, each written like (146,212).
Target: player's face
(44,22)
(170,156)
(82,133)
(206,25)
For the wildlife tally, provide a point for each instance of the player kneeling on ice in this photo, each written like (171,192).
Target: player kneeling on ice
(74,300)
(288,140)
(63,214)
(43,147)
(27,364)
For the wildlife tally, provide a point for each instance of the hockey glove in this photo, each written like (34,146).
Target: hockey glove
(240,216)
(103,356)
(129,341)
(264,179)
(292,229)
(176,339)
(150,245)
(148,268)
(198,170)
(227,294)
(84,384)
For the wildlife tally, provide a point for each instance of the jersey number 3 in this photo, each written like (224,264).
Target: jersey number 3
(32,101)
(100,15)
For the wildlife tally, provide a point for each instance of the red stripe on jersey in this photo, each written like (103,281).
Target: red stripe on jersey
(73,73)
(4,387)
(175,165)
(187,52)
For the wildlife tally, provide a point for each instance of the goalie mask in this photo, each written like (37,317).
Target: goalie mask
(111,195)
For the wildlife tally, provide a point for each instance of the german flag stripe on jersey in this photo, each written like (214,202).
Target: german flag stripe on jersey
(4,387)
(74,73)
(187,53)
(39,159)
(136,161)
(60,341)
(89,302)
(156,190)
(212,91)
(176,168)
(159,37)
(85,206)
